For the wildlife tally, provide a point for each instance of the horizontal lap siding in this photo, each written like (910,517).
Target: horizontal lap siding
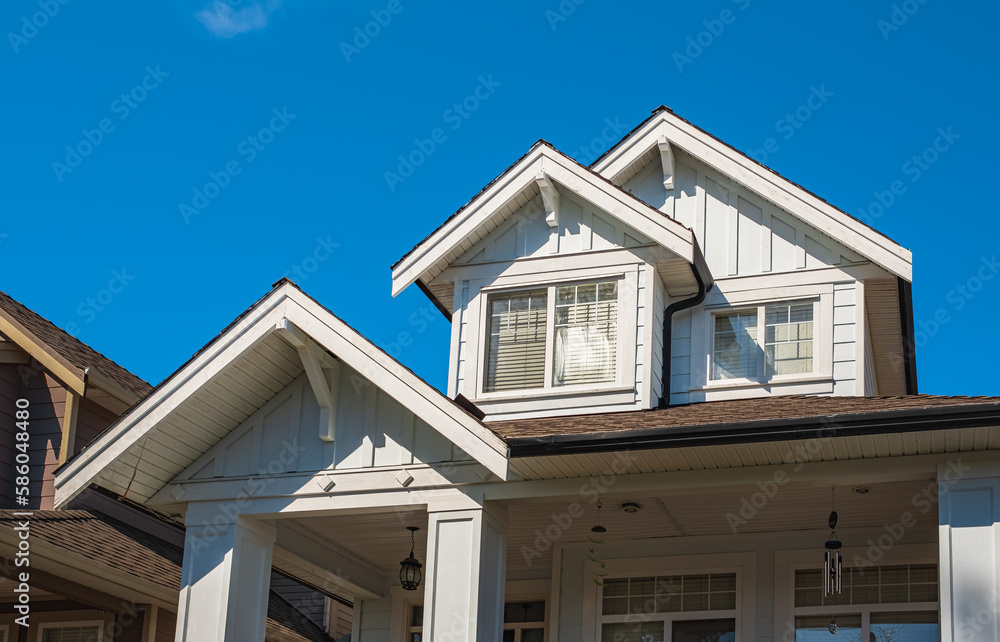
(680,357)
(656,341)
(640,345)
(845,336)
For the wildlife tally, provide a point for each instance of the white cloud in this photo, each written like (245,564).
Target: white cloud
(227,18)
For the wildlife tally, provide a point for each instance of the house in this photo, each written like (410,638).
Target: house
(678,383)
(106,569)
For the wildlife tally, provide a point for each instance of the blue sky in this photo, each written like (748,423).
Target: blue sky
(298,119)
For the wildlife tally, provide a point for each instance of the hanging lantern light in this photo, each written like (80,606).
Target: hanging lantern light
(409,572)
(833,566)
(598,526)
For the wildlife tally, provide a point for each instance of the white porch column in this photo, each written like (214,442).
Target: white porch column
(969,512)
(225,580)
(464,575)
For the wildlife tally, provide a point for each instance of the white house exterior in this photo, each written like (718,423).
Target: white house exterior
(676,343)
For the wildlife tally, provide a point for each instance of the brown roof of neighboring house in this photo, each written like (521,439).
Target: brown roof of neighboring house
(69,347)
(125,548)
(739,416)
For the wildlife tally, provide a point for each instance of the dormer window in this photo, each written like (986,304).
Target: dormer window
(785,348)
(562,335)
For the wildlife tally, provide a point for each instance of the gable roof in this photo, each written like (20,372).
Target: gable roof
(791,197)
(65,355)
(508,191)
(115,459)
(116,545)
(744,421)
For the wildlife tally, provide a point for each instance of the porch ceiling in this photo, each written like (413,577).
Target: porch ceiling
(381,541)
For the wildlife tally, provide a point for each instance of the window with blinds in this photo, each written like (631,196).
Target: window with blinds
(784,346)
(89,633)
(735,354)
(515,358)
(586,334)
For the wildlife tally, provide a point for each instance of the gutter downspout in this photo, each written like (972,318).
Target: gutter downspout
(704,286)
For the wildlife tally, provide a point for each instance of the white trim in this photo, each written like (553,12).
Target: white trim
(643,218)
(743,564)
(786,562)
(66,625)
(790,197)
(329,332)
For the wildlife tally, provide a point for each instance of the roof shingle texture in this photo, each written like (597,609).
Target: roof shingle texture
(125,548)
(72,349)
(725,412)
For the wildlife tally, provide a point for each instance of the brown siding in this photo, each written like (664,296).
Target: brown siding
(91,421)
(131,628)
(10,391)
(48,403)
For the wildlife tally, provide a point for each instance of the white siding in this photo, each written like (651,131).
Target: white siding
(680,357)
(375,618)
(641,346)
(656,338)
(845,335)
(740,233)
(582,227)
(373,429)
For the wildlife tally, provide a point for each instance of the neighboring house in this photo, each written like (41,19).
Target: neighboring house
(666,369)
(107,570)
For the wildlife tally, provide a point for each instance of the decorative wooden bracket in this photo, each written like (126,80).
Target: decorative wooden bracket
(323,372)
(667,157)
(550,197)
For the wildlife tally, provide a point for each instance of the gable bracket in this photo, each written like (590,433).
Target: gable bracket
(550,197)
(667,158)
(323,373)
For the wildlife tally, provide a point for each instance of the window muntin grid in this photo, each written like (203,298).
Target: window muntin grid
(669,594)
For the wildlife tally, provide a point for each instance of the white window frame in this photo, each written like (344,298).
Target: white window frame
(787,562)
(742,564)
(65,625)
(703,342)
(626,333)
(409,629)
(761,311)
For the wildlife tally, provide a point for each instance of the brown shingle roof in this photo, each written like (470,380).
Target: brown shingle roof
(70,348)
(718,413)
(125,548)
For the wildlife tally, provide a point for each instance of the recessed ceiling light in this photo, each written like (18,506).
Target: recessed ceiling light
(862,490)
(630,507)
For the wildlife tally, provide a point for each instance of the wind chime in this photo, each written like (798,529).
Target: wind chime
(833,567)
(833,576)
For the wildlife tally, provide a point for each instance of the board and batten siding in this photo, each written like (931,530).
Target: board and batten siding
(373,429)
(740,233)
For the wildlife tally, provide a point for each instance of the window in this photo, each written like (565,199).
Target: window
(879,604)
(522,622)
(586,328)
(681,608)
(516,354)
(786,348)
(532,346)
(76,632)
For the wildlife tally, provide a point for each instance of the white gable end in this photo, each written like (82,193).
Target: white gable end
(582,227)
(740,232)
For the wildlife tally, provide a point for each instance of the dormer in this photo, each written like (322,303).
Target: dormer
(674,270)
